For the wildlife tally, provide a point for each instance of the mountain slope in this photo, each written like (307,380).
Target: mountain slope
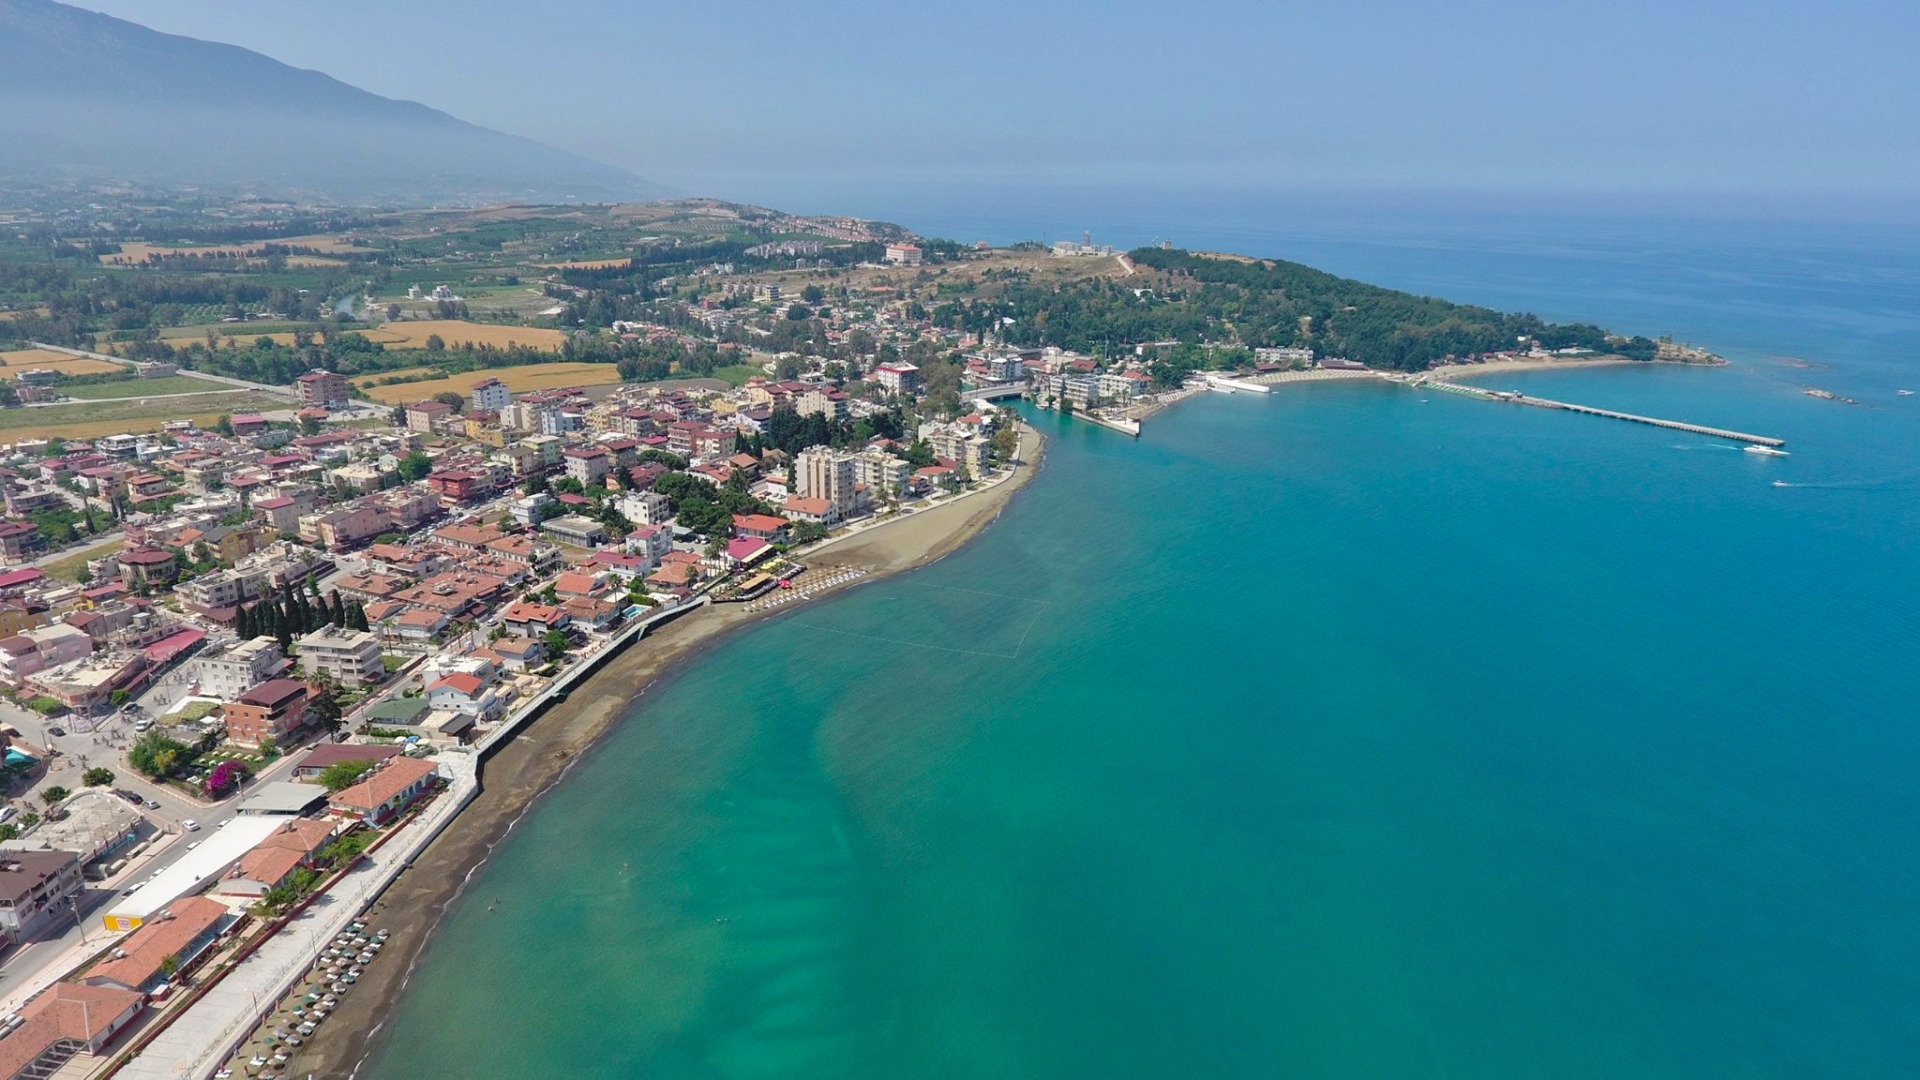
(87,97)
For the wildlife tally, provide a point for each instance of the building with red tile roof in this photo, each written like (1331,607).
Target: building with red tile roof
(386,792)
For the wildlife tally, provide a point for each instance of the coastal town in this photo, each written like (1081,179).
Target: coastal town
(277,658)
(277,584)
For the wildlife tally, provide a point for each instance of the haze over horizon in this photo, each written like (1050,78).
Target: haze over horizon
(1634,100)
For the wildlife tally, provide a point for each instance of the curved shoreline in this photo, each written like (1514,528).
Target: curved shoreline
(527,767)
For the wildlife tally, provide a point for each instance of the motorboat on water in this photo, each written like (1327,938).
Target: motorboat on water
(1904,393)
(1769,451)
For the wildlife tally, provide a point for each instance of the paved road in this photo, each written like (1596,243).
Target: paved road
(97,543)
(74,752)
(279,391)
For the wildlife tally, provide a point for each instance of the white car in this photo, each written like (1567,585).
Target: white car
(190,825)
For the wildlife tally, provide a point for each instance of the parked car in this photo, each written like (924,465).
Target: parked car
(153,804)
(190,825)
(57,731)
(7,812)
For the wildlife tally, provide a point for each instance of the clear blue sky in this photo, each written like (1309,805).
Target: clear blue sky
(743,98)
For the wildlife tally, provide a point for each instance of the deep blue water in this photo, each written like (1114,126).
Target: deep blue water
(1343,732)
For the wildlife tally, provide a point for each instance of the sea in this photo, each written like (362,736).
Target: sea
(1347,731)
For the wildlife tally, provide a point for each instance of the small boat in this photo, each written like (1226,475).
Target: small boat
(1767,450)
(1904,393)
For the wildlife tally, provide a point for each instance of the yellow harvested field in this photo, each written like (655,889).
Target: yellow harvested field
(33,358)
(455,332)
(90,429)
(518,379)
(244,339)
(587,264)
(13,363)
(137,251)
(366,381)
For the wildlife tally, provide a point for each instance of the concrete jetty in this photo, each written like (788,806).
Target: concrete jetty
(1549,403)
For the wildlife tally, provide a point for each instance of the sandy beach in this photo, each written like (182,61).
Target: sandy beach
(515,776)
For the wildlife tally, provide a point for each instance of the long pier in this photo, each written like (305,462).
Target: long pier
(1549,403)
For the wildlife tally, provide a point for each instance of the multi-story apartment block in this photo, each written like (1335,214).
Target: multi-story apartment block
(34,889)
(589,465)
(882,474)
(897,378)
(324,389)
(226,675)
(825,473)
(825,400)
(490,395)
(351,657)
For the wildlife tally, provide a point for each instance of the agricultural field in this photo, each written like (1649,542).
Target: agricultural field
(91,419)
(518,379)
(587,264)
(143,388)
(138,251)
(414,335)
(13,363)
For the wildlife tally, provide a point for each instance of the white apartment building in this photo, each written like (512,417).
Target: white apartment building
(881,473)
(644,507)
(351,657)
(491,395)
(826,473)
(239,669)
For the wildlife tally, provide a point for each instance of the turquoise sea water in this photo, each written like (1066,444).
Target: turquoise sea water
(1342,732)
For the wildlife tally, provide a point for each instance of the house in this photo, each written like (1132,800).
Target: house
(319,758)
(386,792)
(148,566)
(575,530)
(747,550)
(162,946)
(423,415)
(248,424)
(67,1019)
(650,541)
(534,619)
(467,695)
(519,653)
(397,712)
(592,614)
(761,526)
(272,861)
(351,657)
(578,584)
(19,539)
(802,508)
(273,710)
(904,255)
(421,624)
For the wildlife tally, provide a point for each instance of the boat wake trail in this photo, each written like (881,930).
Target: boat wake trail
(1703,446)
(1899,482)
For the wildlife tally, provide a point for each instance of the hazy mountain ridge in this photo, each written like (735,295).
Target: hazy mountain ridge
(85,96)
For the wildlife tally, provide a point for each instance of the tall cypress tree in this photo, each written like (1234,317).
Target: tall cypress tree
(357,616)
(336,609)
